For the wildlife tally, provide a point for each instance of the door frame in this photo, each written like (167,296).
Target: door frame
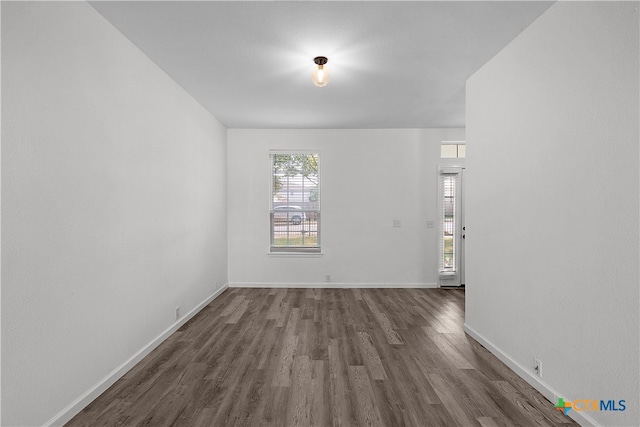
(456,277)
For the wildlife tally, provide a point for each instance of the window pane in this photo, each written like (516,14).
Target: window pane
(448,151)
(295,202)
(452,151)
(448,188)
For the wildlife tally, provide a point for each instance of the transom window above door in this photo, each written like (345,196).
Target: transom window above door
(453,150)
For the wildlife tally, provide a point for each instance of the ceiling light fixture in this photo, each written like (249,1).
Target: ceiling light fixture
(320,76)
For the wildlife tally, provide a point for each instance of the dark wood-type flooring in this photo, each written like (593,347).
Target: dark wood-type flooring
(350,357)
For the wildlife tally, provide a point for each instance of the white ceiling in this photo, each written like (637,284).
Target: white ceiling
(393,64)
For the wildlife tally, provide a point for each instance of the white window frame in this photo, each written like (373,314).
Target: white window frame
(309,212)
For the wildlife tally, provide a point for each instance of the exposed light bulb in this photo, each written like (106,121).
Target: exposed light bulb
(320,76)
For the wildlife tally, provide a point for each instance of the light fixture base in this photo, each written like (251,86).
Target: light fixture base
(320,60)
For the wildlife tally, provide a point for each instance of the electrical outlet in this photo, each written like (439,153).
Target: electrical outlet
(177,312)
(537,367)
(397,223)
(431,224)
(327,278)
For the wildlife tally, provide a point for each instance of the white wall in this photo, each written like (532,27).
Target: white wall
(113,204)
(552,204)
(368,179)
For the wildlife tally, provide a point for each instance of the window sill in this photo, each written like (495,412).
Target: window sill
(295,254)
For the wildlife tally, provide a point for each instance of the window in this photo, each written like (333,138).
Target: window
(447,243)
(295,202)
(452,150)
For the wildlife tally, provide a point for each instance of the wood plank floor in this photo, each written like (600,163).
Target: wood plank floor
(307,357)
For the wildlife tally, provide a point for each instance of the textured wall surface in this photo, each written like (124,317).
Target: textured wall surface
(113,204)
(369,178)
(552,202)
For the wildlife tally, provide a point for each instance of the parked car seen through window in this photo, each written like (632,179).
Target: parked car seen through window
(292,214)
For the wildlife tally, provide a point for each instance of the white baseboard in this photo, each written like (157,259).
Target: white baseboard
(545,389)
(90,395)
(331,285)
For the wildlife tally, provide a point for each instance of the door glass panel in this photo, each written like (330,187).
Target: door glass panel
(448,189)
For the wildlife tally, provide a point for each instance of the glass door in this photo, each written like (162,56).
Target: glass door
(451,229)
